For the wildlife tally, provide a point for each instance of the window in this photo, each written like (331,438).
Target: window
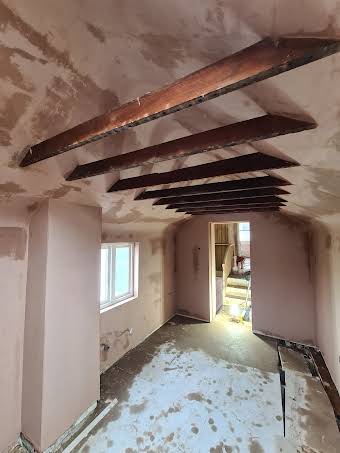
(244,231)
(118,273)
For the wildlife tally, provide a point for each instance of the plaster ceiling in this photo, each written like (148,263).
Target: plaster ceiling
(64,62)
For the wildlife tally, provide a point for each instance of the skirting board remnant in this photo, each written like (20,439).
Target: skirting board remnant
(27,444)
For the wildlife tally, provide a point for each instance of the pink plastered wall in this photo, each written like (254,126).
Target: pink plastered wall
(125,326)
(13,267)
(61,354)
(282,289)
(326,266)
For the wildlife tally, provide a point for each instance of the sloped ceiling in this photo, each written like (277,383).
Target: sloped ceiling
(64,62)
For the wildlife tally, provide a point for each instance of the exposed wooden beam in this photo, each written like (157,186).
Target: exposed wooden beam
(240,164)
(216,187)
(244,202)
(260,128)
(229,208)
(265,59)
(235,195)
(229,211)
(232,208)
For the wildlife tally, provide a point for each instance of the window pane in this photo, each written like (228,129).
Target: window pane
(104,275)
(244,226)
(122,275)
(245,236)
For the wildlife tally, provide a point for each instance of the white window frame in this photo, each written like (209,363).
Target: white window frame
(112,300)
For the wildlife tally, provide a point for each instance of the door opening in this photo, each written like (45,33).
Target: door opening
(233,271)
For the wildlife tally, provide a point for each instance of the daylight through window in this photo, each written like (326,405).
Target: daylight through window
(117,276)
(244,231)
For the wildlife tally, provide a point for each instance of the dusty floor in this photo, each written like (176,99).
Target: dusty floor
(195,387)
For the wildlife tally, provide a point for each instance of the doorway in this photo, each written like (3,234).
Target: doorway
(232,266)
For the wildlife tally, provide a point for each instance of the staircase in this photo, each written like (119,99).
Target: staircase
(236,291)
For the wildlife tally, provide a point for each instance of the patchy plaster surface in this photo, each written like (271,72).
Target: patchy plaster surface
(13,242)
(125,326)
(80,61)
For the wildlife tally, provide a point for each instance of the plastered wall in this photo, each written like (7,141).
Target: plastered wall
(282,290)
(326,254)
(13,265)
(32,387)
(155,303)
(61,354)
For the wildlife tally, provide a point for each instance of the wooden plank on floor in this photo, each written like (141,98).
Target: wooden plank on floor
(327,382)
(260,61)
(276,444)
(235,195)
(294,361)
(260,128)
(240,164)
(309,416)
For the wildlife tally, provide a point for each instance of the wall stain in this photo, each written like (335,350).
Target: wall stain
(157,301)
(153,43)
(216,19)
(328,241)
(32,207)
(13,242)
(14,107)
(96,32)
(334,141)
(133,216)
(62,58)
(61,191)
(196,260)
(10,188)
(10,70)
(156,245)
(60,108)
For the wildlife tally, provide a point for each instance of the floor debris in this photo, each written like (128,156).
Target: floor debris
(188,388)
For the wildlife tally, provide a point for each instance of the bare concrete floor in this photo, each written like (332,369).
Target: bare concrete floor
(196,387)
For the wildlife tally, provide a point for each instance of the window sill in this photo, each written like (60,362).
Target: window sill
(118,304)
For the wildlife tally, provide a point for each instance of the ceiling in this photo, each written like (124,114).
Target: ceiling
(63,62)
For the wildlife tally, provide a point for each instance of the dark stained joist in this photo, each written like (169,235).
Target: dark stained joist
(245,201)
(262,60)
(227,203)
(240,164)
(228,211)
(235,195)
(216,187)
(229,208)
(260,128)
